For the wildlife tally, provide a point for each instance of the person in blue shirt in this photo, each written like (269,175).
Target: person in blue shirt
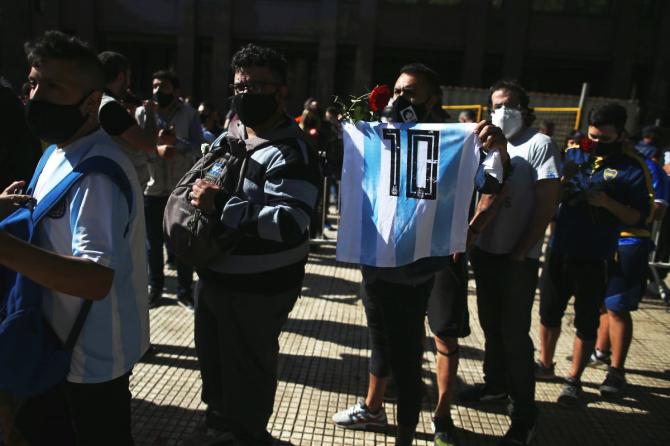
(647,146)
(625,289)
(604,189)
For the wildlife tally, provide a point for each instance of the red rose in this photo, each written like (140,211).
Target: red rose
(379,97)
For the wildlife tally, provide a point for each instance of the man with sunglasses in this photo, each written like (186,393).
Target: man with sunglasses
(245,296)
(605,187)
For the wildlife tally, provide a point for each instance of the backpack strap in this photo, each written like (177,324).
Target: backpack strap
(75,331)
(95,164)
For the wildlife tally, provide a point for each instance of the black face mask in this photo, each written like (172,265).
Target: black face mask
(404,111)
(163,99)
(54,123)
(254,109)
(607,148)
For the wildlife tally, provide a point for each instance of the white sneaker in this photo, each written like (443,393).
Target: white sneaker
(359,417)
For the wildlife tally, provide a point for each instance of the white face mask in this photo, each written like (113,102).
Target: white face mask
(509,120)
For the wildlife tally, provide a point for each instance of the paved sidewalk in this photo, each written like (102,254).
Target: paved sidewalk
(323,368)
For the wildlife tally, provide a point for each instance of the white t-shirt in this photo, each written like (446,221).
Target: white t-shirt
(90,224)
(533,157)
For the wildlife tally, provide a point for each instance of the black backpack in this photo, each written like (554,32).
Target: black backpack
(196,238)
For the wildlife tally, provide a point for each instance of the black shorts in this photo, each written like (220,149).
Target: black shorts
(448,315)
(563,277)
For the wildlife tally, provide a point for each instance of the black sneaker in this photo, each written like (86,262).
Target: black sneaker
(482,393)
(570,393)
(599,359)
(155,294)
(544,373)
(520,433)
(614,383)
(186,301)
(445,432)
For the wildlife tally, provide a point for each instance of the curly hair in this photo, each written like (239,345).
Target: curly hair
(257,56)
(59,46)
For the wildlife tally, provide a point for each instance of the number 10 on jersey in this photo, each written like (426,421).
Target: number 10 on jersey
(422,149)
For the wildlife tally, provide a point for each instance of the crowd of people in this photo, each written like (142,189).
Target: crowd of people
(97,254)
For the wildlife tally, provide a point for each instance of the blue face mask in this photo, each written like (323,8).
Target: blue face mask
(54,123)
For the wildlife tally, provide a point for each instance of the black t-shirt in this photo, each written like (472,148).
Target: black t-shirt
(114,119)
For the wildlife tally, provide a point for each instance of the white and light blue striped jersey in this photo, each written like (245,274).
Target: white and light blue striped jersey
(90,223)
(406,191)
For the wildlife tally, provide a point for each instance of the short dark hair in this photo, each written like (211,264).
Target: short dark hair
(470,114)
(308,102)
(252,55)
(429,75)
(113,63)
(167,75)
(650,131)
(58,45)
(334,109)
(609,114)
(546,124)
(516,88)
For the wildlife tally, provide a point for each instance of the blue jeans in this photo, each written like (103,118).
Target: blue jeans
(154,207)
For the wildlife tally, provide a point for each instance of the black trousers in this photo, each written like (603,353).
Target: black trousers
(396,314)
(505,292)
(236,340)
(79,415)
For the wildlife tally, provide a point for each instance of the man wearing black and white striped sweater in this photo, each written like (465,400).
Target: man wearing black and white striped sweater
(245,296)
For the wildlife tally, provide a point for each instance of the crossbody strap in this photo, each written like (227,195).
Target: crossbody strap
(95,164)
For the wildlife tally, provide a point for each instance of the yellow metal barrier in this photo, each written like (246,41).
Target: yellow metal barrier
(565,119)
(576,110)
(478,108)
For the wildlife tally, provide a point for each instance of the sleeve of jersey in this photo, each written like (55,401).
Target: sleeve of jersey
(98,218)
(641,194)
(114,119)
(546,161)
(290,191)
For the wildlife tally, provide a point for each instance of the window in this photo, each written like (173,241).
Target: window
(549,5)
(592,7)
(574,7)
(445,2)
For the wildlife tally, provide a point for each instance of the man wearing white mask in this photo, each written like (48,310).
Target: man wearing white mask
(505,260)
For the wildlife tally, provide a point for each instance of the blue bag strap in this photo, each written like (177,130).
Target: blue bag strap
(40,167)
(95,164)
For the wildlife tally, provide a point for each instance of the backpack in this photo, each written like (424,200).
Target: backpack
(34,359)
(196,238)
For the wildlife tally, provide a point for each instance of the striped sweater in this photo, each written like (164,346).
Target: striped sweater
(272,210)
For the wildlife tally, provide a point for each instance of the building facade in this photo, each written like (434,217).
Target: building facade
(341,47)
